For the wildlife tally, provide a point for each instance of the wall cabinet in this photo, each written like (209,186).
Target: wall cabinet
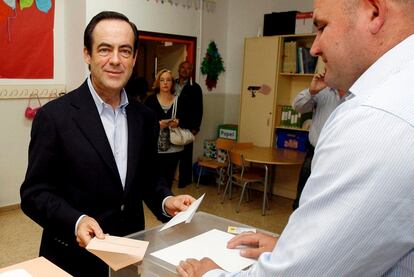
(265,61)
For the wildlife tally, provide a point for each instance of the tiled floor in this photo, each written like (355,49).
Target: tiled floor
(20,237)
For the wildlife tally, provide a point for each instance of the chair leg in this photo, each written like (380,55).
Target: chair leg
(241,197)
(220,180)
(225,190)
(199,175)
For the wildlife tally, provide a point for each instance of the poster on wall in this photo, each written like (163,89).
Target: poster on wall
(26,39)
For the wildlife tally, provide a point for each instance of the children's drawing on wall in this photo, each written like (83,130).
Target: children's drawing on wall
(26,39)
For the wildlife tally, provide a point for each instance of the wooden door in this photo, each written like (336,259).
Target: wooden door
(257,114)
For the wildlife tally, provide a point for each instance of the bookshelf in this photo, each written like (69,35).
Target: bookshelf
(261,116)
(264,63)
(289,84)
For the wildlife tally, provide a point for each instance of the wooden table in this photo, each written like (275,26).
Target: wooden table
(271,156)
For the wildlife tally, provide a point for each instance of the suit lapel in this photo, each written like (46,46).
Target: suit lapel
(135,129)
(90,124)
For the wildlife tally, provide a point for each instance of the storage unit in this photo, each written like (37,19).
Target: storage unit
(260,116)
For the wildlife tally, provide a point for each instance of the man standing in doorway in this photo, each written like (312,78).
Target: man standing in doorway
(192,96)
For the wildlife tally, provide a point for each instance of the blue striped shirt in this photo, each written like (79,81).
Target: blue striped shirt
(321,104)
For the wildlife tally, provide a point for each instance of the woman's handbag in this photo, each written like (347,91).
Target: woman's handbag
(31,112)
(179,136)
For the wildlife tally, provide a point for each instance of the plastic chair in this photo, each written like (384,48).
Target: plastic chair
(243,175)
(223,146)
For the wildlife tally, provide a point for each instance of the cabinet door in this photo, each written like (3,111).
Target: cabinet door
(257,114)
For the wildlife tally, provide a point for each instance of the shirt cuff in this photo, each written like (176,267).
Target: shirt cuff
(310,94)
(77,222)
(218,273)
(163,209)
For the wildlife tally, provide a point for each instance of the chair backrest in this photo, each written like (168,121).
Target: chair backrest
(224,144)
(236,158)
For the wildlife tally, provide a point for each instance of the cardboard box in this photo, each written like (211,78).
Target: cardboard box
(227,131)
(292,139)
(279,23)
(210,148)
(304,23)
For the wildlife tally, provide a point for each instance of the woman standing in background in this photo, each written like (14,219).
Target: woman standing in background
(162,101)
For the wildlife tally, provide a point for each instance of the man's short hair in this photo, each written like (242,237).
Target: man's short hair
(184,62)
(105,15)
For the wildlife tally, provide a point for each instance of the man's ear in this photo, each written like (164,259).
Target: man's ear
(377,11)
(86,56)
(135,57)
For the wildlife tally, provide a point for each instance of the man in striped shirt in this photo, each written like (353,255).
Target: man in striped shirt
(356,216)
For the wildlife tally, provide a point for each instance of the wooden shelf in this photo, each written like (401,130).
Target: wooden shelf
(291,128)
(297,74)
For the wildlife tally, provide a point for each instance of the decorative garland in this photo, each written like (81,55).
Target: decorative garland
(208,5)
(212,65)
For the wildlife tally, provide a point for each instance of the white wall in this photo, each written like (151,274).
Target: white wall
(232,21)
(15,128)
(75,22)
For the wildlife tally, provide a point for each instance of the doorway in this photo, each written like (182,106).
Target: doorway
(157,51)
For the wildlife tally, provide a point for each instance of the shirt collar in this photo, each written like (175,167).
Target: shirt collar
(184,83)
(387,65)
(100,104)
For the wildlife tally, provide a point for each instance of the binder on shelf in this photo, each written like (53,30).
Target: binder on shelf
(309,61)
(300,61)
(290,118)
(289,57)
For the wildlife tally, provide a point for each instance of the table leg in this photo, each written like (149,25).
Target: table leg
(265,189)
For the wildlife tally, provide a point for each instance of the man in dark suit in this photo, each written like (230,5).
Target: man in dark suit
(192,96)
(91,156)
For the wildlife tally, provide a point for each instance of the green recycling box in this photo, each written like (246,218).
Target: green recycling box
(227,131)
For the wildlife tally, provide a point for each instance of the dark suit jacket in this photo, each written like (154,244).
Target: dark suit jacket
(72,171)
(192,97)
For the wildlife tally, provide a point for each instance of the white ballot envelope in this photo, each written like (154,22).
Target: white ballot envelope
(118,252)
(211,244)
(184,216)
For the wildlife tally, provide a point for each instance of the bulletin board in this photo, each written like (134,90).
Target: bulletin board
(26,39)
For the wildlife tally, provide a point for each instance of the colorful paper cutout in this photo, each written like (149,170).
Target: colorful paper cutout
(26,4)
(27,42)
(5,11)
(10,3)
(44,5)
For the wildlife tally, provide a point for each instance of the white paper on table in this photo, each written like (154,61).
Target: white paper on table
(16,273)
(118,252)
(211,244)
(186,215)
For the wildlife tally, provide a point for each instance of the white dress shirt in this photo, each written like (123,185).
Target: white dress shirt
(356,213)
(115,124)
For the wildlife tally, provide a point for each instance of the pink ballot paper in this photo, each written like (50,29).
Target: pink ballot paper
(118,252)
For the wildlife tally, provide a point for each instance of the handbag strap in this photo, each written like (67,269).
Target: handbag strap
(174,111)
(34,95)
